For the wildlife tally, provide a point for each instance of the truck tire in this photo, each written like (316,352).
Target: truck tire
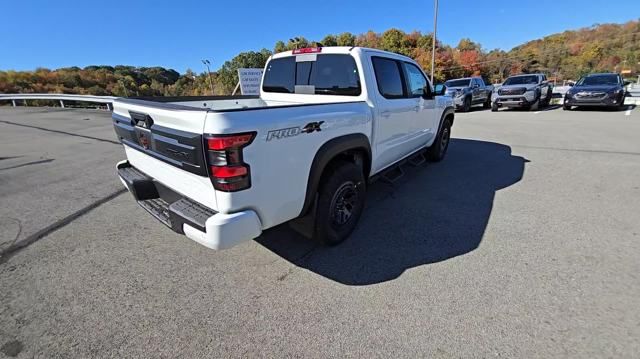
(340,203)
(487,103)
(494,107)
(466,105)
(535,105)
(622,106)
(438,149)
(547,100)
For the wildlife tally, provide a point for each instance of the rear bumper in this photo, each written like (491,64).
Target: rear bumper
(185,216)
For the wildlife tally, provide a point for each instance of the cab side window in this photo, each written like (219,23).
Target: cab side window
(415,80)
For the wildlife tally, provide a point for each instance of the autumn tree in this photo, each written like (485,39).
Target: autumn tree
(567,55)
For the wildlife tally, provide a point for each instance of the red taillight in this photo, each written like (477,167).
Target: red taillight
(224,142)
(307,50)
(228,171)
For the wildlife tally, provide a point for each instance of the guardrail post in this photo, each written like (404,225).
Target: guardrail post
(13,102)
(109,107)
(61,103)
(25,103)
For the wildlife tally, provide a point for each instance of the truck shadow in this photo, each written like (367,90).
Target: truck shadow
(434,213)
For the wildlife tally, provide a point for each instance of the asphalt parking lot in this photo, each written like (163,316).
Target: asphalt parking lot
(524,242)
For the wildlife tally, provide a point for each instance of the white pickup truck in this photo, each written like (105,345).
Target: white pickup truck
(328,121)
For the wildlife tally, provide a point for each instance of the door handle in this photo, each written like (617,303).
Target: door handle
(385,113)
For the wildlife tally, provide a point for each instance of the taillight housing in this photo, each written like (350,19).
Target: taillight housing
(227,169)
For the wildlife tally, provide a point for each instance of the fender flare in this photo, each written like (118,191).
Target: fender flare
(449,110)
(327,152)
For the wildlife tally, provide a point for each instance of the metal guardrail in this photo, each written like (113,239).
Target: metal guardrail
(107,100)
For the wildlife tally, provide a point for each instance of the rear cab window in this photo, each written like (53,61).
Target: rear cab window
(329,74)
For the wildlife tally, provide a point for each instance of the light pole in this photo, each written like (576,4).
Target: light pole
(433,49)
(207,63)
(295,41)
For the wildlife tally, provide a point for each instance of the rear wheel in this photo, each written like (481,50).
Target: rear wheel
(438,149)
(494,107)
(340,203)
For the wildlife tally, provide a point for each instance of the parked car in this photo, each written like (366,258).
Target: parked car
(469,91)
(328,122)
(527,91)
(606,89)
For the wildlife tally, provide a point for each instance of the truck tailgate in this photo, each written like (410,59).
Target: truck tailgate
(165,142)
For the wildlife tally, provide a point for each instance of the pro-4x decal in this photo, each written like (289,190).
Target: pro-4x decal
(294,131)
(313,126)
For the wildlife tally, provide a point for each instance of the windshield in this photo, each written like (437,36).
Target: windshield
(457,83)
(598,80)
(332,74)
(522,80)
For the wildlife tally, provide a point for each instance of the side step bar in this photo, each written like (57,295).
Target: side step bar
(395,172)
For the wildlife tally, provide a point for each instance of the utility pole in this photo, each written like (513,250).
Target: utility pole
(207,63)
(433,49)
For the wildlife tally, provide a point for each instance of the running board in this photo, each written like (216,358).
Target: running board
(393,174)
(417,160)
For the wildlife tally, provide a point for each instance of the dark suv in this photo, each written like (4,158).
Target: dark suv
(596,90)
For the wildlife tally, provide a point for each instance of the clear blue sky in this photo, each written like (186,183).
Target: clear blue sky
(52,34)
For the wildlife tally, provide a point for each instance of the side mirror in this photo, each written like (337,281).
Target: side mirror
(426,93)
(439,90)
(571,84)
(475,86)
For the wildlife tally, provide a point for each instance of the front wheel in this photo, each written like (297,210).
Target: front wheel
(622,106)
(547,100)
(466,106)
(438,149)
(566,107)
(534,106)
(494,107)
(487,103)
(340,203)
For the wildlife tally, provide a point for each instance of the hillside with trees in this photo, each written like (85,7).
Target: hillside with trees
(567,55)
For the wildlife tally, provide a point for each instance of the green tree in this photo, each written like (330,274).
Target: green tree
(395,40)
(279,47)
(329,40)
(346,39)
(468,45)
